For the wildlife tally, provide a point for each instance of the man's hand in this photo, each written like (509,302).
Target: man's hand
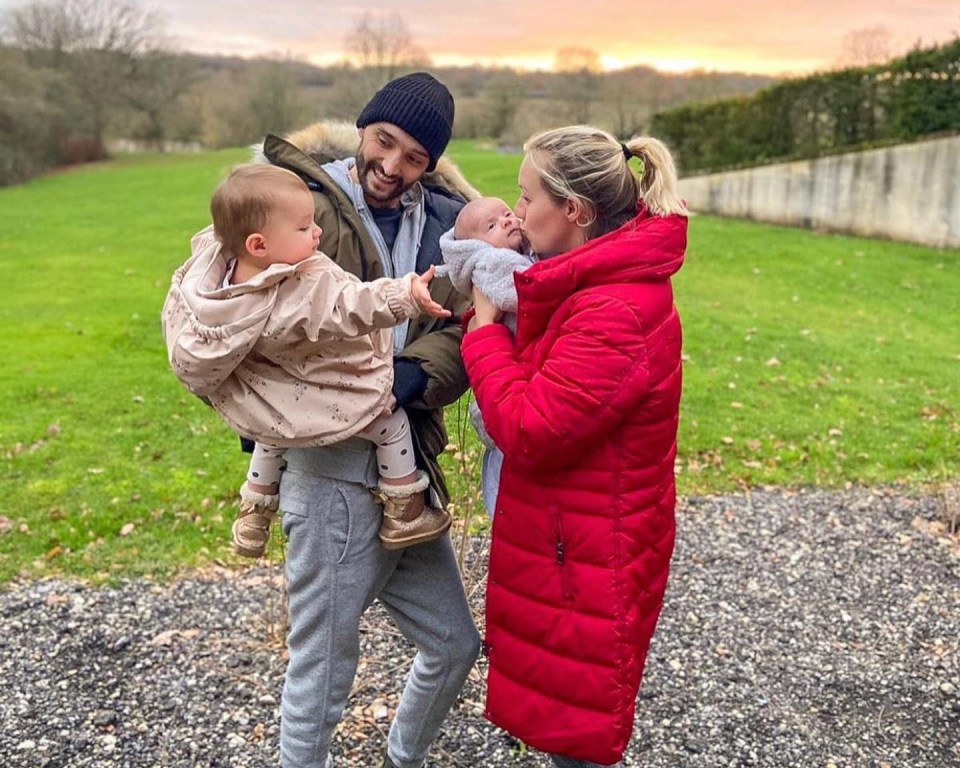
(409,381)
(420,288)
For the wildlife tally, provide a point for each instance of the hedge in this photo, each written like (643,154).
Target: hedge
(910,97)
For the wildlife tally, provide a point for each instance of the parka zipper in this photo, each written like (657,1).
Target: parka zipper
(566,581)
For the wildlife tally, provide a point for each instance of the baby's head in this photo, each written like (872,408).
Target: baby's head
(264,212)
(489,219)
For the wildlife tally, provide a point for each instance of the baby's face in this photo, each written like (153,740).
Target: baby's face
(491,220)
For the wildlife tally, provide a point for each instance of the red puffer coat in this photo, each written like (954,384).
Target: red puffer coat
(584,404)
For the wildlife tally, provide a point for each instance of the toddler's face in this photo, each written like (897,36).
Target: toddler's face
(291,233)
(491,220)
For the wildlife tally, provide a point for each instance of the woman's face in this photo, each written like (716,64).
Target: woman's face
(550,226)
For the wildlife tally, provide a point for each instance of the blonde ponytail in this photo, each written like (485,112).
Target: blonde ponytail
(658,185)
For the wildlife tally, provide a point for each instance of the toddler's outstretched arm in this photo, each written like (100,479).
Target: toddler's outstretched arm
(420,288)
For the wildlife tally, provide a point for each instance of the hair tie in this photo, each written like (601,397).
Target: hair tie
(627,154)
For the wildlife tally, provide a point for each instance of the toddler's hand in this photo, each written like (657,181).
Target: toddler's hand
(421,294)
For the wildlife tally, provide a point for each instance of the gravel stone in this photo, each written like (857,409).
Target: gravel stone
(800,629)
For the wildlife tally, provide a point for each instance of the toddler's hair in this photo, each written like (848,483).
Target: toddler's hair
(244,200)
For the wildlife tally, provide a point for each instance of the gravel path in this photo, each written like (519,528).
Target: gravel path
(800,629)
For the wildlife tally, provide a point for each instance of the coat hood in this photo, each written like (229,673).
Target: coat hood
(217,324)
(646,249)
(242,306)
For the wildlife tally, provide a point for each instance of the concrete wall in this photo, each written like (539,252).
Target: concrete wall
(908,192)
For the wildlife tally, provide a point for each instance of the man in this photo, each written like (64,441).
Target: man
(382,207)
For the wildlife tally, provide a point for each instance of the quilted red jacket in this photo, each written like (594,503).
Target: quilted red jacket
(584,404)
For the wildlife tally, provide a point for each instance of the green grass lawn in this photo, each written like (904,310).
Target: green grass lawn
(811,359)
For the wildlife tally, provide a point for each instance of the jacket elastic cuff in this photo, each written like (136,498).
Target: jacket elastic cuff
(400,298)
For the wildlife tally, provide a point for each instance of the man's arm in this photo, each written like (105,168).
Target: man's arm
(429,372)
(441,379)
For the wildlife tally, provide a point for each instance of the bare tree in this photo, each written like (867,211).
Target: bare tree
(622,99)
(155,93)
(866,47)
(218,107)
(383,47)
(236,106)
(380,48)
(25,119)
(90,47)
(579,77)
(503,96)
(275,101)
(69,26)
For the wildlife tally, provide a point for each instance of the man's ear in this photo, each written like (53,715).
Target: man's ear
(256,245)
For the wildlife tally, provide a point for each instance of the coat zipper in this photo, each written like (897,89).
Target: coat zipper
(566,582)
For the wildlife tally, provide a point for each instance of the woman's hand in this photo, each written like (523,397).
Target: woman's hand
(485,312)
(420,288)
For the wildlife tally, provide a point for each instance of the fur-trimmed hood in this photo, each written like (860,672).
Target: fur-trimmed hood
(328,140)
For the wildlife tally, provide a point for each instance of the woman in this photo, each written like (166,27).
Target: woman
(584,402)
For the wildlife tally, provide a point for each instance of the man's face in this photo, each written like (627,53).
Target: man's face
(389,162)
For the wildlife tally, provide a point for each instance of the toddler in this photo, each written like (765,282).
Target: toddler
(291,350)
(484,249)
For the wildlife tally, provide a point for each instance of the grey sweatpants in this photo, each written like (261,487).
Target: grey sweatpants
(568,762)
(335,568)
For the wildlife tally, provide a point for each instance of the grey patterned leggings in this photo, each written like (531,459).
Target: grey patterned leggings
(389,432)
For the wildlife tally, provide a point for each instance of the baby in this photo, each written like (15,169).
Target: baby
(484,249)
(291,350)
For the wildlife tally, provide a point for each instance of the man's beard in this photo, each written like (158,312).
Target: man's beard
(379,199)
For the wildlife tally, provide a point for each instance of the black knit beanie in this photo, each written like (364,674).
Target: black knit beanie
(419,104)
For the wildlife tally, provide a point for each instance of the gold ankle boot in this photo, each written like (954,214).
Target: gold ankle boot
(251,529)
(407,520)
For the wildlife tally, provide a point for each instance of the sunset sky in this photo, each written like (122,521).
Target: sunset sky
(762,36)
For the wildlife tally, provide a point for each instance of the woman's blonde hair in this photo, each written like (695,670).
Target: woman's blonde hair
(589,165)
(245,199)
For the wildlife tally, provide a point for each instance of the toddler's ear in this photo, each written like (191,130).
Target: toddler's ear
(256,245)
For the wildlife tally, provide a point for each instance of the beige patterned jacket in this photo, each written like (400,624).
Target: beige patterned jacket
(299,355)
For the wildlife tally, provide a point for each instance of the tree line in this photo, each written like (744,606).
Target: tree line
(77,74)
